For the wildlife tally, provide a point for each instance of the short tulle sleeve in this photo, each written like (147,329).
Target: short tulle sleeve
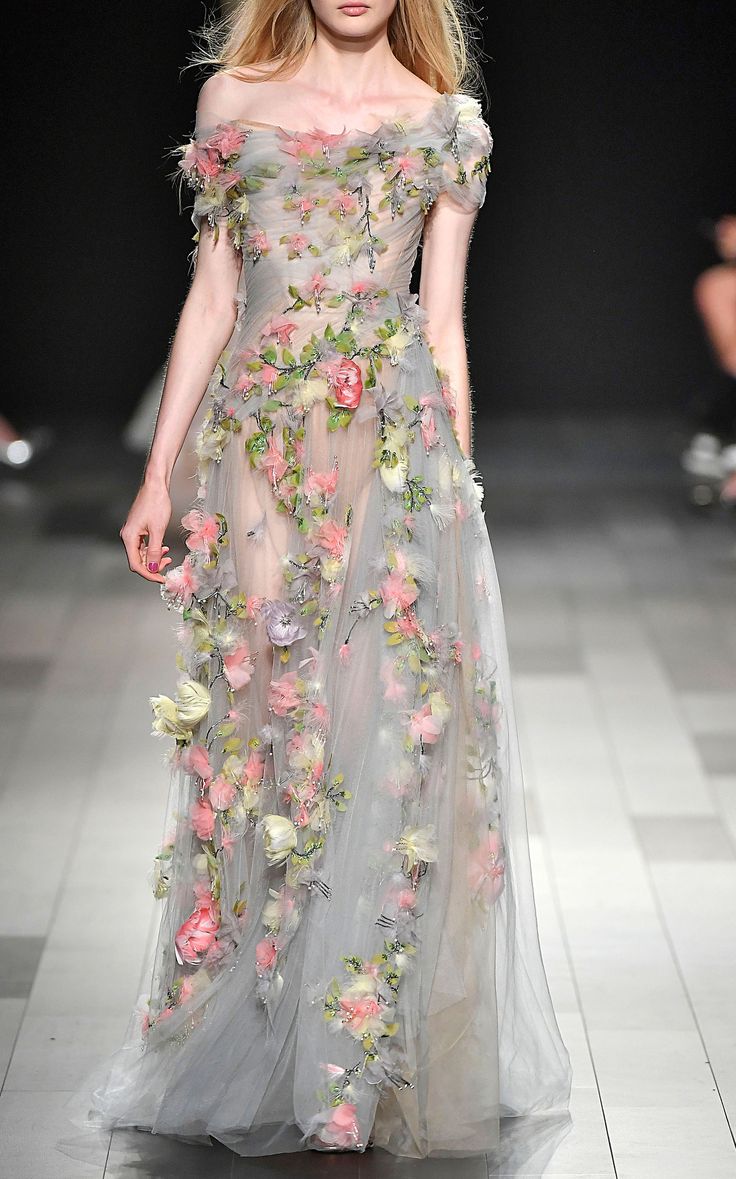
(466,154)
(210,164)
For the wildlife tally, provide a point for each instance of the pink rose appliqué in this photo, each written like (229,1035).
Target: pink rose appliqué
(347,383)
(202,818)
(358,1013)
(222,793)
(265,955)
(196,760)
(195,935)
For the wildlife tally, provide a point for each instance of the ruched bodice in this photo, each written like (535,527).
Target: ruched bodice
(330,224)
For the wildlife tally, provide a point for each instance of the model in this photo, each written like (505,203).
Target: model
(348,950)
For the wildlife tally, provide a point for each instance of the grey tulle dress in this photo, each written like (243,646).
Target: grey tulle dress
(347,947)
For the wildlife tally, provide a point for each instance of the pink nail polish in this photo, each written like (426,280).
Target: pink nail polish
(153,566)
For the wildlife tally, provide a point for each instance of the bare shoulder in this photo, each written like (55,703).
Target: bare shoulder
(228,93)
(415,90)
(251,92)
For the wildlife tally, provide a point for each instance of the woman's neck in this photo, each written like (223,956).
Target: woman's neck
(338,71)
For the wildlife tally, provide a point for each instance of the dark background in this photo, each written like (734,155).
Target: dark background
(614,125)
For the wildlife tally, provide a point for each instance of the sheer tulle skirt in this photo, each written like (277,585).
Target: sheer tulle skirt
(259,1053)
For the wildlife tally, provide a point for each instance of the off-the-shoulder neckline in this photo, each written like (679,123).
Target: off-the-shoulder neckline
(405,120)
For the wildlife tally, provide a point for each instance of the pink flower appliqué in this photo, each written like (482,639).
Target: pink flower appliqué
(428,427)
(318,714)
(201,160)
(182,582)
(222,793)
(297,243)
(228,843)
(310,143)
(450,401)
(273,461)
(320,483)
(343,203)
(408,625)
(283,694)
(486,868)
(397,592)
(244,383)
(268,373)
(406,898)
(424,726)
(203,529)
(202,818)
(238,668)
(342,1128)
(317,284)
(331,537)
(301,818)
(281,328)
(227,139)
(346,381)
(358,1013)
(265,955)
(254,768)
(195,935)
(257,243)
(196,760)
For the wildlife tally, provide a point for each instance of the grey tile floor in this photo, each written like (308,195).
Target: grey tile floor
(621,613)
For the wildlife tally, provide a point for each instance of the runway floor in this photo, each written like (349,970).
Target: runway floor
(621,615)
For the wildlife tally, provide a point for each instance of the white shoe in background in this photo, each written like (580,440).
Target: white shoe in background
(728,459)
(704,457)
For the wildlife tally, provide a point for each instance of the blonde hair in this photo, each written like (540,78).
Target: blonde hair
(438,40)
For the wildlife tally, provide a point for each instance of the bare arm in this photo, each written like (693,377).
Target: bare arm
(205,326)
(715,299)
(442,294)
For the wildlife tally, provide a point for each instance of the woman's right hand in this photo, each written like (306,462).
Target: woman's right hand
(144,530)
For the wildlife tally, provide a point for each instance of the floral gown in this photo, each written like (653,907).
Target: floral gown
(348,945)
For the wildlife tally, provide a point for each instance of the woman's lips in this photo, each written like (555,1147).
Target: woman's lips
(353,9)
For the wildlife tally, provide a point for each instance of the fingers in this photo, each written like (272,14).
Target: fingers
(164,560)
(155,564)
(148,563)
(154,551)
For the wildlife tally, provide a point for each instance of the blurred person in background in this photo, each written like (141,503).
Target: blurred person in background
(711,454)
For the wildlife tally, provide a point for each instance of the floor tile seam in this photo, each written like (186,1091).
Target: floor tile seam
(564,936)
(654,890)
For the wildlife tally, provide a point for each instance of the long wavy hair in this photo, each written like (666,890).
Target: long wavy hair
(438,40)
